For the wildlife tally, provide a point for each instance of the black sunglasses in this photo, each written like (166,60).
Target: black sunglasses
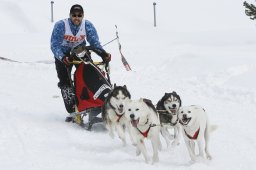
(74,15)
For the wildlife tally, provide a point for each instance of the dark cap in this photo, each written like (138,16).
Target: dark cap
(76,8)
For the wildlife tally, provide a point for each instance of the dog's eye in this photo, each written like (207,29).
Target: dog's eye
(189,111)
(137,109)
(129,110)
(181,112)
(123,98)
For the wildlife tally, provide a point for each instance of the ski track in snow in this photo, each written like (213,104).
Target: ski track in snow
(208,58)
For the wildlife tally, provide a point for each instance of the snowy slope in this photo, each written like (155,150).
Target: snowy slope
(204,50)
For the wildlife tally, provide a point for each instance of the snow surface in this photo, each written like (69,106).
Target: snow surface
(204,50)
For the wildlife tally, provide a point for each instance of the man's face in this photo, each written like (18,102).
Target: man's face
(76,18)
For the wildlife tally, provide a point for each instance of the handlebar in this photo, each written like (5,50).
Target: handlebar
(94,62)
(83,53)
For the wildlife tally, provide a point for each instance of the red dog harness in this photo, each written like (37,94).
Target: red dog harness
(195,135)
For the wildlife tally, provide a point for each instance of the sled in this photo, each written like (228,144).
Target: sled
(91,84)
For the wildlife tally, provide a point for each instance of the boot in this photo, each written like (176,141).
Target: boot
(78,120)
(68,96)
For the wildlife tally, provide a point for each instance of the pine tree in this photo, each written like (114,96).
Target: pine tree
(250,10)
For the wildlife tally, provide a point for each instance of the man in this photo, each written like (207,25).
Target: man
(67,34)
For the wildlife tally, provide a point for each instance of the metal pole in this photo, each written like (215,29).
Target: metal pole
(154,6)
(52,11)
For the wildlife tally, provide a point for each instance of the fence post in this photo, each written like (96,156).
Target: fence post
(52,2)
(154,6)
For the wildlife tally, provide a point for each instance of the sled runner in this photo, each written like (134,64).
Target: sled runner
(91,85)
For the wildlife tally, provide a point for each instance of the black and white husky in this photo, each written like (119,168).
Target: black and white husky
(113,112)
(168,108)
(145,124)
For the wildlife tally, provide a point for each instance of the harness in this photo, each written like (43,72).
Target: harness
(119,117)
(145,134)
(194,137)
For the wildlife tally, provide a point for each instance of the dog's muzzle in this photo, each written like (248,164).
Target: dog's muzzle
(120,108)
(173,110)
(185,120)
(134,122)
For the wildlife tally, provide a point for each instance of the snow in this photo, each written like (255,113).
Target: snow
(203,50)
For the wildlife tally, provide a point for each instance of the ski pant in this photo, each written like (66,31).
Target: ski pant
(63,73)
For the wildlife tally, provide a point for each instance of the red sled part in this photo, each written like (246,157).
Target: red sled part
(91,87)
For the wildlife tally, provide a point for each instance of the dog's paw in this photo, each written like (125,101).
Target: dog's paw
(193,158)
(138,152)
(124,143)
(155,159)
(111,134)
(147,160)
(209,157)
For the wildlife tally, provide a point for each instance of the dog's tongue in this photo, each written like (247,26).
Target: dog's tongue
(173,110)
(135,123)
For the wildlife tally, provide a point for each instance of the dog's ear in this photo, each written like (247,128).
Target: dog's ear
(165,96)
(174,92)
(125,87)
(115,85)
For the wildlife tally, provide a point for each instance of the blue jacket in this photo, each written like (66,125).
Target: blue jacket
(58,35)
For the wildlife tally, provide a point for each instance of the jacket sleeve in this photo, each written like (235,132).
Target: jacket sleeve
(57,39)
(92,35)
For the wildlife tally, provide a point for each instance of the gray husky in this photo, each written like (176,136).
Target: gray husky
(113,112)
(168,107)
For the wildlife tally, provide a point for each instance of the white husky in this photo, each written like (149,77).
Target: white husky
(145,124)
(113,112)
(195,129)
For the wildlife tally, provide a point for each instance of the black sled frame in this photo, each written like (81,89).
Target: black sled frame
(82,55)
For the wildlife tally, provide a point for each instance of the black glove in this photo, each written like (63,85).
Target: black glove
(106,58)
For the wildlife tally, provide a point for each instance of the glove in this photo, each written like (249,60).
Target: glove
(66,60)
(106,58)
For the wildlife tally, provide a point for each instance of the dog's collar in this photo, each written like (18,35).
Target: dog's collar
(194,137)
(118,117)
(112,106)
